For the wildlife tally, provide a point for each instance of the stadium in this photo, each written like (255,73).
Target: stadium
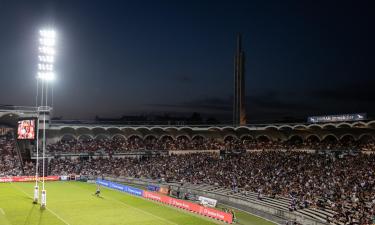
(153,113)
(189,162)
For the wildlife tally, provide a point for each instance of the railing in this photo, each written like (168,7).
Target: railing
(89,123)
(137,123)
(152,123)
(44,109)
(104,154)
(18,108)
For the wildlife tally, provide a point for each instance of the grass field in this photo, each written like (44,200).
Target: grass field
(72,203)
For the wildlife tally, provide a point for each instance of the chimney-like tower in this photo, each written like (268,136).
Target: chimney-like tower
(239,111)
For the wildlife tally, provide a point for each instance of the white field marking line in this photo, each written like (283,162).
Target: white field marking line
(251,214)
(2,211)
(161,218)
(64,221)
(161,204)
(168,221)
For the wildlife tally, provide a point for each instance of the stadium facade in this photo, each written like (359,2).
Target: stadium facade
(282,131)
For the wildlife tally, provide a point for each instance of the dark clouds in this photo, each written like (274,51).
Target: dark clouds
(361,93)
(354,98)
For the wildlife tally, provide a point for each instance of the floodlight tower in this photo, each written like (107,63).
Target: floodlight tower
(46,74)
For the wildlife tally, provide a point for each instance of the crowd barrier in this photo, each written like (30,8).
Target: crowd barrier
(27,178)
(120,187)
(151,187)
(207,201)
(193,207)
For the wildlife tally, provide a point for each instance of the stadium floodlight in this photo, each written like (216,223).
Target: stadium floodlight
(47,50)
(47,33)
(45,74)
(47,42)
(46,59)
(45,67)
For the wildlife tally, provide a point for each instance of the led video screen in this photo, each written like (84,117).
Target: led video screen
(26,129)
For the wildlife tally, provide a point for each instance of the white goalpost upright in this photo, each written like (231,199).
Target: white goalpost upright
(36,189)
(46,74)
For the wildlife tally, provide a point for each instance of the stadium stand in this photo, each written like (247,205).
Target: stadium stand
(117,145)
(315,185)
(10,164)
(325,172)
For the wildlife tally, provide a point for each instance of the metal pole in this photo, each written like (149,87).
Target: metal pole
(44,109)
(37,134)
(36,188)
(44,132)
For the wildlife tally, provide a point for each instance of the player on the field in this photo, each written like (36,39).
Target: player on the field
(97,193)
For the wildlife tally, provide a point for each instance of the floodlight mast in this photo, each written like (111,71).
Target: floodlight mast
(46,59)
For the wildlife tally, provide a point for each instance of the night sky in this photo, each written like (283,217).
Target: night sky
(153,57)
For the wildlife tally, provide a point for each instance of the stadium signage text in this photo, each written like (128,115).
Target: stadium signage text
(337,118)
(27,178)
(207,201)
(151,187)
(64,178)
(120,187)
(216,214)
(103,183)
(163,190)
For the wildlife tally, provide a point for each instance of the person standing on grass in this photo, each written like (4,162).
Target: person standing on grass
(97,193)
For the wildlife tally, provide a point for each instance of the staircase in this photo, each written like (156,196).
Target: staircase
(19,155)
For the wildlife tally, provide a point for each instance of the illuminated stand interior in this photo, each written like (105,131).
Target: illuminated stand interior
(46,74)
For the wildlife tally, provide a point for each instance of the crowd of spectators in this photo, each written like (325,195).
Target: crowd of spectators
(29,168)
(118,145)
(9,162)
(345,185)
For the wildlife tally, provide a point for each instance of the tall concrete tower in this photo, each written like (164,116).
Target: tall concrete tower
(239,110)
